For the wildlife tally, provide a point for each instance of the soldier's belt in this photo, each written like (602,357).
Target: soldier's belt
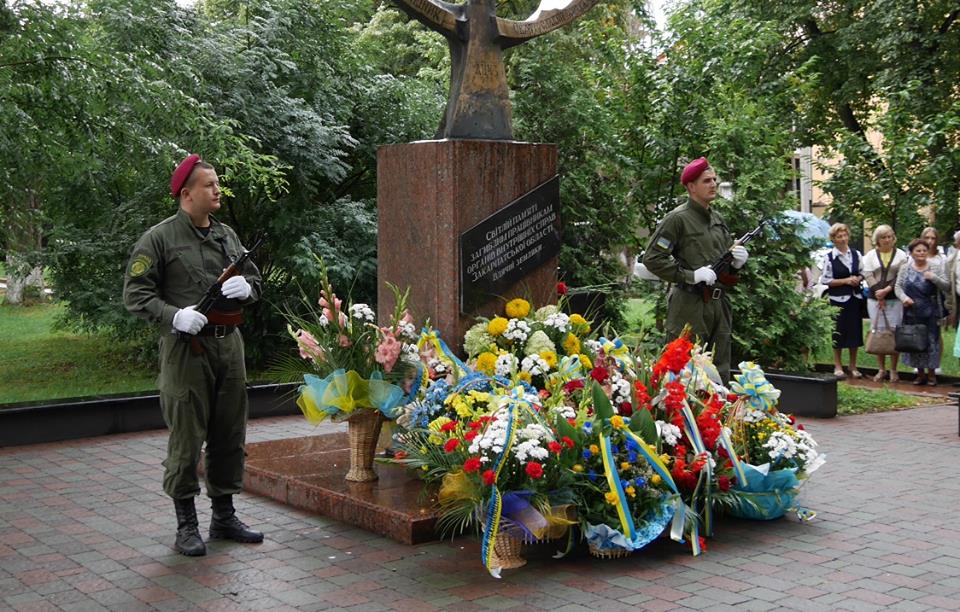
(217,331)
(714,292)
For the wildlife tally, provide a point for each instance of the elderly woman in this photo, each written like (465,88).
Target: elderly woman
(880,268)
(937,261)
(918,286)
(842,275)
(953,278)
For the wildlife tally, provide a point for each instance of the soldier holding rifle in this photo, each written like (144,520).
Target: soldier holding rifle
(202,378)
(688,249)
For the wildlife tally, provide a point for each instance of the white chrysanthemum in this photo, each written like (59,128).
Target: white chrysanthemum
(534,364)
(407,331)
(781,446)
(362,312)
(517,330)
(559,321)
(534,431)
(592,346)
(495,435)
(752,415)
(620,389)
(506,365)
(669,432)
(437,366)
(564,411)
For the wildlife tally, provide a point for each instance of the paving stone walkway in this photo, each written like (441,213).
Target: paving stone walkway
(84,525)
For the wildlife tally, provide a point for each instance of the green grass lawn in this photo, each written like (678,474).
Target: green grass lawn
(948,364)
(38,363)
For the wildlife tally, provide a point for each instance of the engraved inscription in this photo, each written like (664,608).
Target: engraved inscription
(509,244)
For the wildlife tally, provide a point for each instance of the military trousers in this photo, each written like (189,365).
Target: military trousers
(711,323)
(203,398)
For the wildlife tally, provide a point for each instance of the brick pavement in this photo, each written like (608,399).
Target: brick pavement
(84,525)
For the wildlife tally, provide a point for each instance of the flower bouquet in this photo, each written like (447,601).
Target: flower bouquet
(353,369)
(623,489)
(778,455)
(528,345)
(498,464)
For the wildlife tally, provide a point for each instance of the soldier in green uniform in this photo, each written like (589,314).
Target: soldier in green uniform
(683,247)
(202,378)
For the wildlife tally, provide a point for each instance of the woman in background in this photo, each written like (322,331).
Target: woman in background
(918,287)
(842,276)
(880,268)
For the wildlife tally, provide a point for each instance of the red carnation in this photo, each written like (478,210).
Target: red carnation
(554,447)
(470,435)
(599,374)
(573,385)
(448,426)
(543,393)
(561,288)
(567,442)
(489,477)
(451,445)
(400,455)
(474,424)
(534,470)
(471,465)
(724,483)
(626,409)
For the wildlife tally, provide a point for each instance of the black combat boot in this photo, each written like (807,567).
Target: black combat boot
(224,524)
(188,541)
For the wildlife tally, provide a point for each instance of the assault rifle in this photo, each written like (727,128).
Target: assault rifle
(214,292)
(723,264)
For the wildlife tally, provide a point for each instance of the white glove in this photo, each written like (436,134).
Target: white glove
(740,255)
(236,287)
(704,274)
(640,271)
(188,320)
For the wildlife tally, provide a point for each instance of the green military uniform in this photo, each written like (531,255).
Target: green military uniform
(202,393)
(689,237)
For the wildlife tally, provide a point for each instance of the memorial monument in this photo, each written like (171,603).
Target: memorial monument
(472,217)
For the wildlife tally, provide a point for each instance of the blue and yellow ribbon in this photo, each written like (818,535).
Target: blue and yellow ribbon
(430,336)
(495,505)
(613,479)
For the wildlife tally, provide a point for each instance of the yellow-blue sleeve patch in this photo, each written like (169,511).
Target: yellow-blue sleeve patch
(663,243)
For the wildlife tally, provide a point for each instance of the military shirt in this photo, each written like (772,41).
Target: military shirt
(689,237)
(173,264)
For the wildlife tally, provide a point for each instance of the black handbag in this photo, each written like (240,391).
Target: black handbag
(912,337)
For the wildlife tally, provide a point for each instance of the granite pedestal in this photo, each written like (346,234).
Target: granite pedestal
(431,192)
(308,472)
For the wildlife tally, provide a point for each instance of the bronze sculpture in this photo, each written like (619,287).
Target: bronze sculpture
(479,104)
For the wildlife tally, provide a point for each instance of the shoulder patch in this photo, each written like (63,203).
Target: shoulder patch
(140,264)
(663,243)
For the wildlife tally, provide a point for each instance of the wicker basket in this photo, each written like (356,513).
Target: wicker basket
(363,431)
(609,553)
(507,552)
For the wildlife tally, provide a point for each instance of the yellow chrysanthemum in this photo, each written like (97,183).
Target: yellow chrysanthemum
(624,465)
(611,497)
(581,324)
(462,407)
(571,344)
(517,308)
(578,468)
(666,459)
(550,357)
(617,421)
(655,479)
(524,376)
(594,449)
(631,491)
(497,326)
(487,363)
(479,396)
(585,362)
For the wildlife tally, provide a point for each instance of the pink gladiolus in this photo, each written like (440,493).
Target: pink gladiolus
(309,347)
(388,351)
(344,341)
(406,317)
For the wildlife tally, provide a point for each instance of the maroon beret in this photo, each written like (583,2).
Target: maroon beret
(694,169)
(182,173)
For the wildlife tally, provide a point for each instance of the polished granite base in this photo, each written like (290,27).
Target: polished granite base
(307,473)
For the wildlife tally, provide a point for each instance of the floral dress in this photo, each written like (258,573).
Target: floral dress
(925,309)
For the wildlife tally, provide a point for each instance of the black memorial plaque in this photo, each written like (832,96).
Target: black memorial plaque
(509,244)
